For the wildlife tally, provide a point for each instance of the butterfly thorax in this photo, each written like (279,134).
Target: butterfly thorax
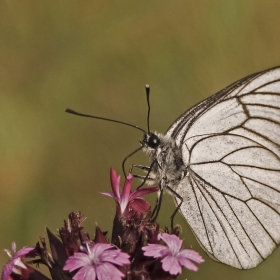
(168,168)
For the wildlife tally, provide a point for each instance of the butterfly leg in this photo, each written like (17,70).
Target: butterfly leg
(146,168)
(144,178)
(158,205)
(178,207)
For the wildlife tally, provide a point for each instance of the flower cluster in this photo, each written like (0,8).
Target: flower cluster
(138,248)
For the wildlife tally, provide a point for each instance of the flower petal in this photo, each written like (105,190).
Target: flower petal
(191,255)
(156,250)
(188,264)
(76,261)
(125,196)
(18,263)
(140,205)
(143,191)
(115,183)
(122,259)
(97,250)
(86,273)
(115,256)
(127,185)
(172,241)
(171,265)
(26,252)
(106,271)
(8,269)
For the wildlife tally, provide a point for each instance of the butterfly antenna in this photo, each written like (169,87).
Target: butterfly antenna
(100,118)
(149,107)
(123,163)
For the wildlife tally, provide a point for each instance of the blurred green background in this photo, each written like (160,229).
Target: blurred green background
(96,57)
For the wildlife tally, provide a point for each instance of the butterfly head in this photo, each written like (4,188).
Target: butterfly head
(150,140)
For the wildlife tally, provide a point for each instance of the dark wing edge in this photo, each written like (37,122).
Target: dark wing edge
(190,116)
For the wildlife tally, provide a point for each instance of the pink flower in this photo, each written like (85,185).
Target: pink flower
(127,200)
(16,265)
(173,256)
(97,262)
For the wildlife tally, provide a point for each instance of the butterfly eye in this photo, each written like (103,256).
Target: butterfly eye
(153,141)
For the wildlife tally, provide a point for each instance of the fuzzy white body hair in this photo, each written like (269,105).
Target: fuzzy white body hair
(169,168)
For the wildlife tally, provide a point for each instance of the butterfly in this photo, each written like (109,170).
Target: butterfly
(222,158)
(221,162)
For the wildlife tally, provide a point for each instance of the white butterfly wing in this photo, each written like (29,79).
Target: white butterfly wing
(231,143)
